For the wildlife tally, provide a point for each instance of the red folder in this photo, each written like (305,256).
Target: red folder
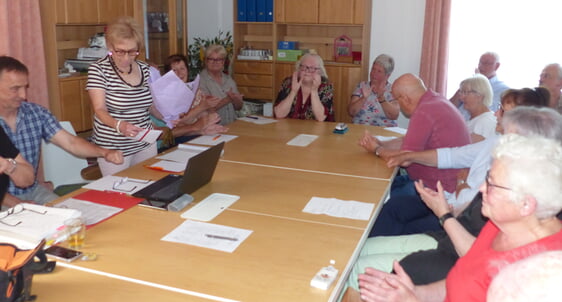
(109,198)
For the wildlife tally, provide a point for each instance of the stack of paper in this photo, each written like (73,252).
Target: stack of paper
(25,225)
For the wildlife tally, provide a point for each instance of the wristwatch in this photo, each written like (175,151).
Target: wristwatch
(377,151)
(445,217)
(13,168)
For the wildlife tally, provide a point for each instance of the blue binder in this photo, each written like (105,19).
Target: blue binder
(269,10)
(242,10)
(260,10)
(251,15)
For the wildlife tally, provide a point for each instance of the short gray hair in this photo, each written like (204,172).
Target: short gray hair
(535,169)
(530,121)
(386,61)
(481,85)
(493,54)
(558,68)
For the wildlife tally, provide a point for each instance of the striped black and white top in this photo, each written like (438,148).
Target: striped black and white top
(124,102)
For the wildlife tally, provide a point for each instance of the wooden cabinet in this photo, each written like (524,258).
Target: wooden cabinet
(344,79)
(68,25)
(320,12)
(314,24)
(77,106)
(254,79)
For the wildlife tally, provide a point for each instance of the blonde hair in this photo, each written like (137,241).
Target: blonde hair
(214,48)
(124,28)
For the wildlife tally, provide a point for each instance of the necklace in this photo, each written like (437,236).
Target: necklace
(118,69)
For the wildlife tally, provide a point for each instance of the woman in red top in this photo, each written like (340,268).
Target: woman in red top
(307,94)
(521,197)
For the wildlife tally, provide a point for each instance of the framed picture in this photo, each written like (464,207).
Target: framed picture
(157,22)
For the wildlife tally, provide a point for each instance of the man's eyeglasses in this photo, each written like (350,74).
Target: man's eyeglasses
(215,60)
(489,184)
(122,53)
(124,184)
(310,69)
(14,211)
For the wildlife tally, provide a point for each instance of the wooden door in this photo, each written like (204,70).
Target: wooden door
(336,11)
(300,11)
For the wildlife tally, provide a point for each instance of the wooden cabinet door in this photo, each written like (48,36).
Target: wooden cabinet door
(282,70)
(359,12)
(336,11)
(71,103)
(344,79)
(300,11)
(81,11)
(110,10)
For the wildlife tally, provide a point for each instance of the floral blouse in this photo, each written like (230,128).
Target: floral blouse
(372,113)
(298,111)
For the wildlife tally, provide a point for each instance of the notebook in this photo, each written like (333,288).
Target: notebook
(198,172)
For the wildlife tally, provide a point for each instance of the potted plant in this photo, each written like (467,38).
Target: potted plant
(196,52)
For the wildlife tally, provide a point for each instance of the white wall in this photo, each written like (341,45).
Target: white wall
(397,29)
(205,18)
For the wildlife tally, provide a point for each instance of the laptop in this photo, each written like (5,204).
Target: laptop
(198,172)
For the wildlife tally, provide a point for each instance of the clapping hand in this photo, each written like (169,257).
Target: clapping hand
(365,89)
(375,285)
(435,200)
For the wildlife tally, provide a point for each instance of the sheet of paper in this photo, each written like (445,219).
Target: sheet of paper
(384,138)
(148,135)
(212,140)
(172,96)
(208,235)
(339,208)
(257,120)
(302,140)
(397,130)
(91,211)
(169,166)
(118,184)
(180,155)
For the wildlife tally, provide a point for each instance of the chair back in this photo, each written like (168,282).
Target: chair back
(59,166)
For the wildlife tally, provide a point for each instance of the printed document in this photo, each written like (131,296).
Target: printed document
(339,208)
(208,235)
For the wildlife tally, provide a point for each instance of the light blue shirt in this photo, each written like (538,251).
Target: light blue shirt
(477,157)
(498,87)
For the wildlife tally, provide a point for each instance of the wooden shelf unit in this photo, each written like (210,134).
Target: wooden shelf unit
(314,24)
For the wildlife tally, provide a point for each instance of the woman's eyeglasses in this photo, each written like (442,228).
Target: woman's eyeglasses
(310,69)
(122,53)
(215,60)
(490,185)
(467,92)
(14,211)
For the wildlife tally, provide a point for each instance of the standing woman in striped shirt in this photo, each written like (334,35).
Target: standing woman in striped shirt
(121,99)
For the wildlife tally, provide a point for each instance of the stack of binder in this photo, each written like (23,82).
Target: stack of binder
(255,10)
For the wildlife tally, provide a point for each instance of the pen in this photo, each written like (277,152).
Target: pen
(254,117)
(216,137)
(221,237)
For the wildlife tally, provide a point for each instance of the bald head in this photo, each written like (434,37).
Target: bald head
(408,90)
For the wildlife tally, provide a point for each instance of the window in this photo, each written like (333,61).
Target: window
(525,34)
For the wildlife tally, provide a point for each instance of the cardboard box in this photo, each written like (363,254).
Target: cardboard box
(291,55)
(287,45)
